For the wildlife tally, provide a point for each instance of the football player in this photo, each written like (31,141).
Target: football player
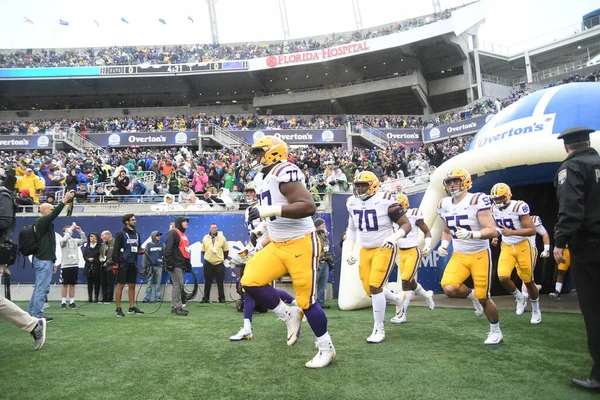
(411,256)
(371,219)
(469,223)
(562,272)
(540,230)
(258,239)
(515,225)
(287,207)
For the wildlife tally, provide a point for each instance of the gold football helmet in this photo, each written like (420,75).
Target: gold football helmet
(457,174)
(250,193)
(270,149)
(366,185)
(501,194)
(403,201)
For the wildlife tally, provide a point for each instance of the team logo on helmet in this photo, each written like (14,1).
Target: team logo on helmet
(403,201)
(501,194)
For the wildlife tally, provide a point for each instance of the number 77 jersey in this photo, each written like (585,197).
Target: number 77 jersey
(464,215)
(370,218)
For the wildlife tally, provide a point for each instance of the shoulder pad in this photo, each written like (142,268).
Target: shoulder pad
(287,172)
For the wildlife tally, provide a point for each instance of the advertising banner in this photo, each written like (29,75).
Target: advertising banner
(460,128)
(296,136)
(142,139)
(25,142)
(400,135)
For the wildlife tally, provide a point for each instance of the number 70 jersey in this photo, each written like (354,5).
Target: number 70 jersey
(464,215)
(370,218)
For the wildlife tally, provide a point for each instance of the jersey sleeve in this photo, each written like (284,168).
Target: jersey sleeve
(521,208)
(481,201)
(389,199)
(537,221)
(288,172)
(419,214)
(440,206)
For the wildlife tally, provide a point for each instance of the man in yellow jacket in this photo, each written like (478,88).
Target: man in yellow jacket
(32,182)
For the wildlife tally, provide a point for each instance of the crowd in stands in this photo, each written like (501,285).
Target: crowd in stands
(178,178)
(134,55)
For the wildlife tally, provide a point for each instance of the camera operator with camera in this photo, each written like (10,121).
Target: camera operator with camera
(8,253)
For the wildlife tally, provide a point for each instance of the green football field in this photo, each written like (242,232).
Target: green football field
(436,355)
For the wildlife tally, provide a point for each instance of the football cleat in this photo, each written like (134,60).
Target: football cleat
(378,335)
(429,299)
(243,334)
(555,295)
(521,305)
(293,322)
(494,337)
(400,307)
(399,319)
(324,357)
(536,317)
(478,308)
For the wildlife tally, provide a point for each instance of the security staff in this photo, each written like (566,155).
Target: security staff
(215,251)
(577,185)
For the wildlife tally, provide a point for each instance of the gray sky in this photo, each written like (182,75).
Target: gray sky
(508,22)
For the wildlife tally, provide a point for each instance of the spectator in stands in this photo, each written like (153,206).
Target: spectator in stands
(138,191)
(161,188)
(229,179)
(98,194)
(337,179)
(72,180)
(31,182)
(213,176)
(199,180)
(24,201)
(82,194)
(122,184)
(186,193)
(50,199)
(322,187)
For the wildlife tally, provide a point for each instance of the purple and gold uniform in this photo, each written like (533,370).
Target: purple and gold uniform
(294,246)
(470,257)
(540,230)
(567,256)
(410,253)
(370,220)
(516,250)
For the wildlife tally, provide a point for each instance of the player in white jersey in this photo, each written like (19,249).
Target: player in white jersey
(469,223)
(411,256)
(258,238)
(371,218)
(287,206)
(515,225)
(540,230)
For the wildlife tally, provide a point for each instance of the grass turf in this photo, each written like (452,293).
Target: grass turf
(436,355)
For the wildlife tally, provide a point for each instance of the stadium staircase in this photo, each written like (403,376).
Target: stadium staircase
(371,134)
(224,137)
(75,141)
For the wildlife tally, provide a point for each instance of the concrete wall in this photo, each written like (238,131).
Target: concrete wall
(448,85)
(495,90)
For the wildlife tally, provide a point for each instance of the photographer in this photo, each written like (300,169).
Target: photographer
(177,261)
(9,310)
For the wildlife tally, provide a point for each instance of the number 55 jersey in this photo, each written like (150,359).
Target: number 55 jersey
(464,215)
(370,218)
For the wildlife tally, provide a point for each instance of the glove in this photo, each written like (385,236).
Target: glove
(546,252)
(253,239)
(464,234)
(351,260)
(427,248)
(443,249)
(263,212)
(258,246)
(115,269)
(390,241)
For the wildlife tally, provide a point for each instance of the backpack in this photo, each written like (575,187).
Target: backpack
(28,241)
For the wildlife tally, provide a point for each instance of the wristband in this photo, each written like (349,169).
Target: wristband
(269,211)
(476,235)
(399,234)
(428,241)
(546,247)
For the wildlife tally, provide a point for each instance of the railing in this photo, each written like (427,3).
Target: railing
(495,79)
(74,139)
(148,177)
(555,71)
(371,134)
(224,137)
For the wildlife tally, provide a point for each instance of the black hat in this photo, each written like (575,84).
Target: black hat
(319,222)
(576,134)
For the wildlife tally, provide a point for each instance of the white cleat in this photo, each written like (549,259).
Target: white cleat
(378,335)
(494,337)
(521,305)
(429,299)
(478,308)
(538,286)
(241,335)
(293,322)
(536,317)
(398,319)
(324,357)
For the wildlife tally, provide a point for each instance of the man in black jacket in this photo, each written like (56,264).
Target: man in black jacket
(44,259)
(177,260)
(9,310)
(128,246)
